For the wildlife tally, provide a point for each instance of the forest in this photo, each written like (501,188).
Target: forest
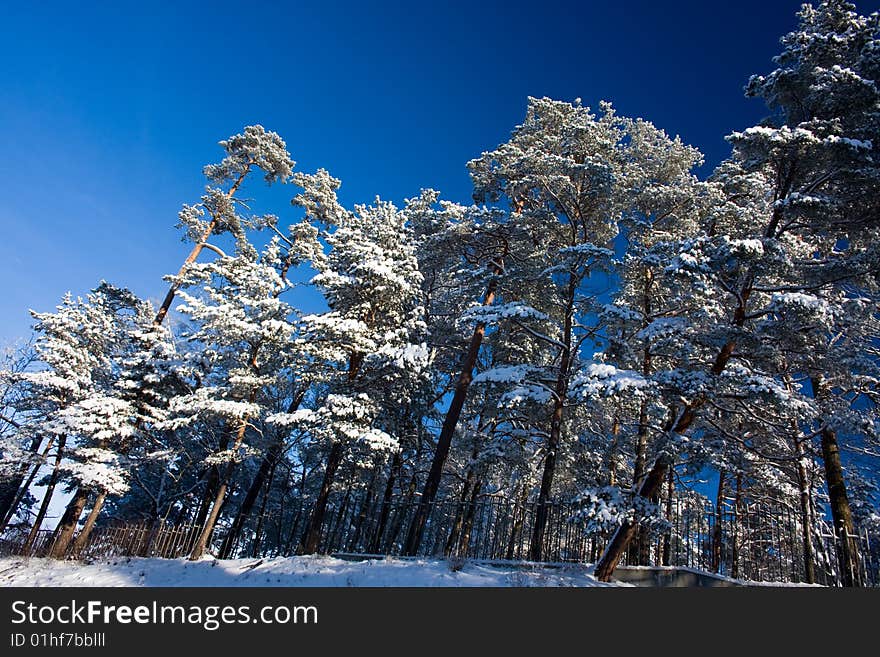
(602,357)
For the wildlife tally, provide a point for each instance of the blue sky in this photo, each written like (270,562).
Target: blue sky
(110,110)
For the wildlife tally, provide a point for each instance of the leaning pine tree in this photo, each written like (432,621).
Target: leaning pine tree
(244,329)
(817,156)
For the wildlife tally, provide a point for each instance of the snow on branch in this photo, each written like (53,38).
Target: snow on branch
(603,380)
(492,314)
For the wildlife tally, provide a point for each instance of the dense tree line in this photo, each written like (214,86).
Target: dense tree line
(599,319)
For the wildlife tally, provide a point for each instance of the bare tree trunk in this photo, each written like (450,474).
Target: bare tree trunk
(717,533)
(258,531)
(210,492)
(364,510)
(47,497)
(13,490)
(220,497)
(82,538)
(458,523)
(393,473)
(67,525)
(201,544)
(841,512)
(667,538)
(806,515)
(464,541)
(25,486)
(250,498)
(312,538)
(444,441)
(840,509)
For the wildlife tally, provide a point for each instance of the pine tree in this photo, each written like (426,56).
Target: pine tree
(244,329)
(812,231)
(254,148)
(374,326)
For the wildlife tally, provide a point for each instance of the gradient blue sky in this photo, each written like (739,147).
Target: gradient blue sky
(110,110)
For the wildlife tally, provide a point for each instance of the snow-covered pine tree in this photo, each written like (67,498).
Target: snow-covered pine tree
(150,375)
(814,230)
(572,176)
(99,427)
(373,328)
(243,329)
(462,252)
(73,347)
(255,148)
(649,320)
(20,440)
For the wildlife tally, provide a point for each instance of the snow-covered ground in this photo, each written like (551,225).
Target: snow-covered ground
(290,571)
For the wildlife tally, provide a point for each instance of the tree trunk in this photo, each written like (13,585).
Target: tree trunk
(210,492)
(647,368)
(840,509)
(201,544)
(336,530)
(678,424)
(536,547)
(47,497)
(82,538)
(156,526)
(220,497)
(841,513)
(393,473)
(556,421)
(196,250)
(288,545)
(624,534)
(444,441)
(250,498)
(24,486)
(717,533)
(667,538)
(364,510)
(312,537)
(402,510)
(261,518)
(519,519)
(464,541)
(642,551)
(458,523)
(737,507)
(13,490)
(67,525)
(612,452)
(806,516)
(267,465)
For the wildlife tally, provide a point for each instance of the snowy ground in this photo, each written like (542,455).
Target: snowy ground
(291,571)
